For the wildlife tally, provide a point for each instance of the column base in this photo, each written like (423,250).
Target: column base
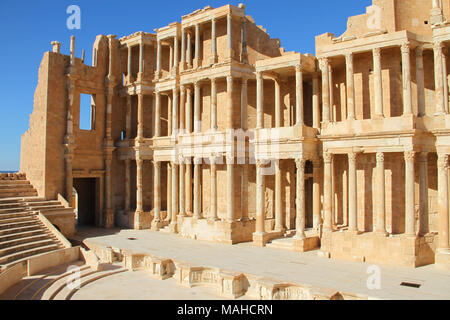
(138,215)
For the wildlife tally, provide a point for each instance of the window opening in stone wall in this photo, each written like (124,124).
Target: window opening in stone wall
(87,112)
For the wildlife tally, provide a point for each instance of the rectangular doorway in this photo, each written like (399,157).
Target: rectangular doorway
(86,195)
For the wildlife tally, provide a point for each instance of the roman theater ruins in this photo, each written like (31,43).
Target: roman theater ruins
(208,129)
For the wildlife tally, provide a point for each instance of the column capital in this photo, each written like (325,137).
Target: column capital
(230,78)
(349,57)
(380,157)
(410,155)
(352,156)
(443,161)
(419,51)
(437,45)
(323,63)
(300,163)
(157,164)
(377,52)
(405,47)
(299,68)
(198,161)
(327,157)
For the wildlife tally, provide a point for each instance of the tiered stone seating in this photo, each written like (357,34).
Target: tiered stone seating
(22,234)
(52,284)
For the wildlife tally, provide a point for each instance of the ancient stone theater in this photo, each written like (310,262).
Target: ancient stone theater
(207,128)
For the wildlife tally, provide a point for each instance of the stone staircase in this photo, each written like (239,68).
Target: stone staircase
(22,233)
(52,284)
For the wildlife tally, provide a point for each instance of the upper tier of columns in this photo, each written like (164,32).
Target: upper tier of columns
(378,112)
(299,107)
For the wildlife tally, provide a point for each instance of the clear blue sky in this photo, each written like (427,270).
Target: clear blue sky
(28,27)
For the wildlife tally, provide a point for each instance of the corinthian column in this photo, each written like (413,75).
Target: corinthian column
(409,194)
(213,216)
(420,81)
(139,191)
(299,96)
(300,205)
(230,105)
(230,189)
(260,199)
(350,87)
(197,121)
(157,196)
(438,76)
(443,205)
(423,184)
(352,193)
(325,90)
(316,193)
(328,196)
(381,195)
(406,68)
(316,103)
(213,104)
(197,188)
(182,212)
(174,195)
(279,225)
(378,83)
(259,101)
(214,57)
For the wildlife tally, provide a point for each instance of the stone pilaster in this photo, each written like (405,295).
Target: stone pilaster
(317,177)
(300,202)
(189,51)
(128,119)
